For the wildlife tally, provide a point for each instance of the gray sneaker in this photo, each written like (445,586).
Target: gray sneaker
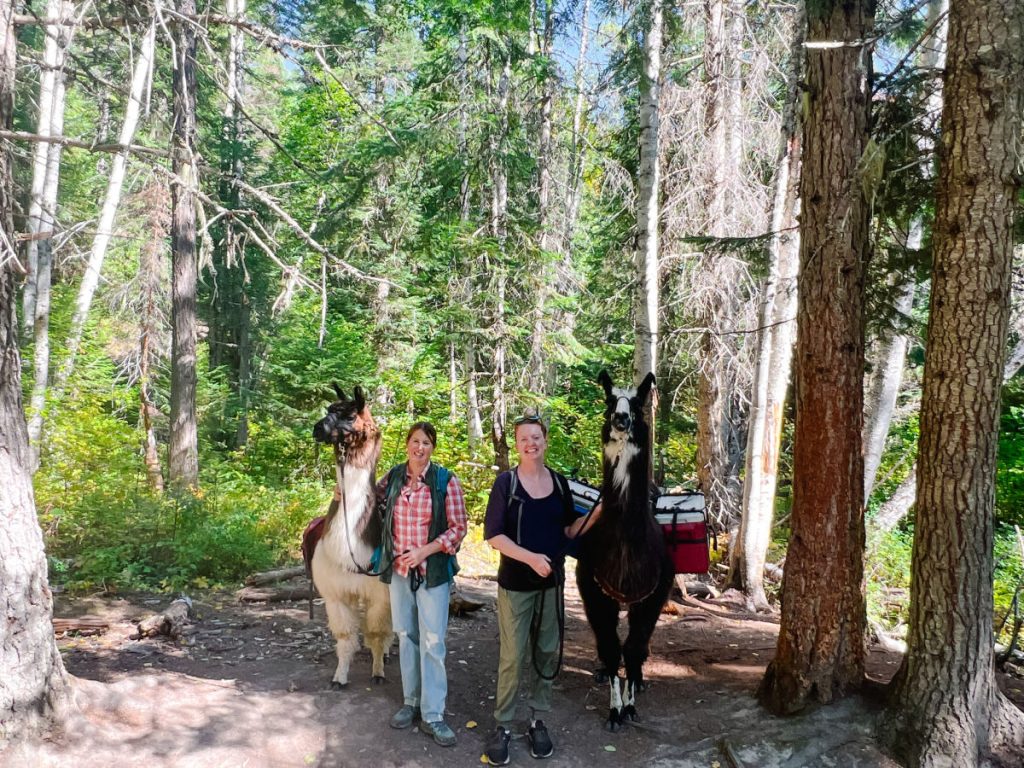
(442,734)
(404,717)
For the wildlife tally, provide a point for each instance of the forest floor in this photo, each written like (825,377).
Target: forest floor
(249,687)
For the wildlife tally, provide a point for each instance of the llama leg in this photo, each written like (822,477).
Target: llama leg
(344,623)
(643,618)
(603,617)
(377,627)
(615,719)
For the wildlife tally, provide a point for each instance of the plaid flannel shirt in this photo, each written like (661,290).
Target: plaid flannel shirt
(413,513)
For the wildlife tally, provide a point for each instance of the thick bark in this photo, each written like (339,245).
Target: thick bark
(747,556)
(34,689)
(645,358)
(946,707)
(183,460)
(717,469)
(105,226)
(821,639)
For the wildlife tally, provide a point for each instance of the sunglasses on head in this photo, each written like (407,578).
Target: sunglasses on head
(528,418)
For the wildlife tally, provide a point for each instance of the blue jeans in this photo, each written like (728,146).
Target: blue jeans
(420,619)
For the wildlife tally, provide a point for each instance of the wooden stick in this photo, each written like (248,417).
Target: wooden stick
(86,625)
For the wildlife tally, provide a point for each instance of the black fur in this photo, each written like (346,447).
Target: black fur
(624,560)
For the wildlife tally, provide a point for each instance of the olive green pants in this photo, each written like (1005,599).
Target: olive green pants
(516,611)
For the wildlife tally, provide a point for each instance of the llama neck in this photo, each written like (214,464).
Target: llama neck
(348,524)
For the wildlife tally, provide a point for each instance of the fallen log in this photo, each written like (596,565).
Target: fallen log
(272,594)
(170,622)
(278,574)
(83,625)
(460,606)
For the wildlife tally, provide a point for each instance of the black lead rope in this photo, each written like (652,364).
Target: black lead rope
(340,456)
(559,605)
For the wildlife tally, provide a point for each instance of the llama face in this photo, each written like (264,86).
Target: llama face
(348,422)
(624,434)
(623,407)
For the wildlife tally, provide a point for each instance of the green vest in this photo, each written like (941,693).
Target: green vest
(441,567)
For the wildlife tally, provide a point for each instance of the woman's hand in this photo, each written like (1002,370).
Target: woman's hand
(541,564)
(412,558)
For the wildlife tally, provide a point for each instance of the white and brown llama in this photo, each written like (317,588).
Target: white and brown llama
(351,531)
(623,559)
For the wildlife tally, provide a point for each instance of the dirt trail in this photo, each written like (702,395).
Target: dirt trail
(252,690)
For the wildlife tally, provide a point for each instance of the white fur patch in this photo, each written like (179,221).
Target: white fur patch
(620,452)
(629,699)
(616,694)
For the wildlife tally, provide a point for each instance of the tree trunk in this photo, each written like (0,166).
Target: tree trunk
(645,358)
(105,226)
(499,214)
(946,706)
(535,367)
(42,230)
(891,353)
(183,459)
(747,556)
(717,474)
(40,157)
(150,276)
(820,651)
(474,424)
(577,154)
(884,383)
(34,689)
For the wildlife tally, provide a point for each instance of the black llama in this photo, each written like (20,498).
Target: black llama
(624,560)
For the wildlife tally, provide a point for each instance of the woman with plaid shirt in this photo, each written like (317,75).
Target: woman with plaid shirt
(424,523)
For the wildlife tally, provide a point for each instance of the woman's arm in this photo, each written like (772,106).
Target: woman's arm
(538,562)
(583,523)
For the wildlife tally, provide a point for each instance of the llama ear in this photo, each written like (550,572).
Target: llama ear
(359,398)
(605,381)
(337,391)
(645,388)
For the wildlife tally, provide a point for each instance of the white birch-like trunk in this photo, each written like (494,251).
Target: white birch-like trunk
(898,505)
(577,155)
(499,211)
(717,467)
(45,228)
(111,201)
(535,367)
(645,359)
(775,350)
(880,399)
(40,156)
(884,384)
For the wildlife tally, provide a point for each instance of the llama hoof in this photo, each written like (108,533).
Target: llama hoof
(600,676)
(336,686)
(629,713)
(614,722)
(378,679)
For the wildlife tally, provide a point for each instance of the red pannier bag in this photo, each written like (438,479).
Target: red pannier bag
(684,523)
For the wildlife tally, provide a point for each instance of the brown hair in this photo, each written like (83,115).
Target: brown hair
(426,428)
